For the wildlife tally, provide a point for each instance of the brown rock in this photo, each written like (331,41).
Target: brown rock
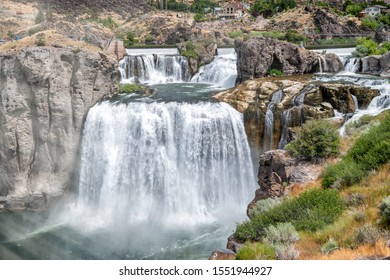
(223,255)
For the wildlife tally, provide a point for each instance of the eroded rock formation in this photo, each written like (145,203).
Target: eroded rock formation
(257,55)
(272,107)
(45,95)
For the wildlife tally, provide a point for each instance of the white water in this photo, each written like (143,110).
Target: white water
(221,72)
(351,65)
(154,69)
(269,121)
(166,166)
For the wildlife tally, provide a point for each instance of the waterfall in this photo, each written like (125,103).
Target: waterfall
(269,120)
(351,65)
(320,64)
(172,165)
(286,124)
(154,69)
(222,71)
(355,101)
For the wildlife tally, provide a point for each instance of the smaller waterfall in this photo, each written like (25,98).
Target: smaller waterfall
(222,71)
(355,101)
(352,65)
(269,121)
(320,64)
(154,69)
(286,124)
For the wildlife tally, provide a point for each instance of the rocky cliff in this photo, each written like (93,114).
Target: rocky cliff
(273,106)
(257,55)
(45,95)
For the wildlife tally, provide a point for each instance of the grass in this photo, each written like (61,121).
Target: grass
(372,189)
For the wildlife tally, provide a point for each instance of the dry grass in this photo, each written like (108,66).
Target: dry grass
(373,189)
(378,251)
(51,37)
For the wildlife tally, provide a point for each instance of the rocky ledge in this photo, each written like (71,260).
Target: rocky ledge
(258,55)
(45,95)
(272,107)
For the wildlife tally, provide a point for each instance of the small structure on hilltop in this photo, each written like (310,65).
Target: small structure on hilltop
(233,10)
(373,11)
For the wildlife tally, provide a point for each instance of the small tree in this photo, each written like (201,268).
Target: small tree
(384,210)
(316,140)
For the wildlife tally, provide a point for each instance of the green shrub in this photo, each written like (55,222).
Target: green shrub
(256,251)
(370,152)
(34,30)
(275,73)
(128,88)
(310,211)
(41,40)
(282,233)
(384,210)
(129,39)
(370,22)
(190,53)
(263,205)
(367,46)
(315,141)
(149,39)
(353,9)
(199,17)
(109,22)
(294,37)
(342,174)
(360,51)
(235,34)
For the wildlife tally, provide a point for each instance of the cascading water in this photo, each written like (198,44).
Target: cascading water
(154,69)
(269,121)
(221,72)
(351,65)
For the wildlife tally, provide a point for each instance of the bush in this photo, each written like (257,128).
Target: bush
(370,23)
(109,22)
(256,251)
(286,252)
(275,73)
(128,88)
(370,152)
(294,37)
(384,210)
(342,174)
(353,9)
(235,34)
(315,141)
(310,211)
(41,40)
(282,233)
(129,39)
(263,206)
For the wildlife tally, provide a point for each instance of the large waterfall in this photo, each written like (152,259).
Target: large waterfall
(166,166)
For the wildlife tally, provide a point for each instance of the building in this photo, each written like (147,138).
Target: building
(233,10)
(373,11)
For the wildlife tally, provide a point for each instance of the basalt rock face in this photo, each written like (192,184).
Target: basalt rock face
(45,95)
(257,55)
(328,23)
(376,65)
(273,107)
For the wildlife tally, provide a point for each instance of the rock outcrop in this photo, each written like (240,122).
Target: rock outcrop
(278,170)
(376,65)
(257,55)
(273,106)
(45,95)
(328,23)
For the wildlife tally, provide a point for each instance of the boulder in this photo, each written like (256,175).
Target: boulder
(223,255)
(382,34)
(257,55)
(371,65)
(45,95)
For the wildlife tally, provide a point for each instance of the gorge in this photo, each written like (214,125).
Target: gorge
(167,175)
